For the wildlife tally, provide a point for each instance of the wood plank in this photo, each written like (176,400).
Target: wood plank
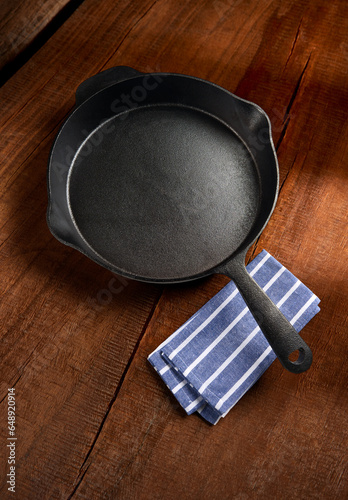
(94,420)
(22,22)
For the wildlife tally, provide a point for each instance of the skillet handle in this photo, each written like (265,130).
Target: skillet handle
(281,335)
(102,80)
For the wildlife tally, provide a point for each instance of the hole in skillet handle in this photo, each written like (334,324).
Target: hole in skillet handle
(281,335)
(296,356)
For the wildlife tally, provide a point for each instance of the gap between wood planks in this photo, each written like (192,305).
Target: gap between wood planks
(127,34)
(84,467)
(286,121)
(293,44)
(286,118)
(48,31)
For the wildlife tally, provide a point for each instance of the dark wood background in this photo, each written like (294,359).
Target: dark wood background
(93,419)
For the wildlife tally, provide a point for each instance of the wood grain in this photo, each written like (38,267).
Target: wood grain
(93,418)
(24,27)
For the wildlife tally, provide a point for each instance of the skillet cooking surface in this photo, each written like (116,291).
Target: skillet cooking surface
(172,189)
(169,192)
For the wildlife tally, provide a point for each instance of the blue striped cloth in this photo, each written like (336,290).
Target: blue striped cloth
(220,352)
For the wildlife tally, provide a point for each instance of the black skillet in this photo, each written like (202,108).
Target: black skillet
(168,178)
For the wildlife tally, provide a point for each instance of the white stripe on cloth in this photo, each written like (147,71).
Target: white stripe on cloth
(179,386)
(237,351)
(244,343)
(216,312)
(303,309)
(229,327)
(193,404)
(169,339)
(260,359)
(243,378)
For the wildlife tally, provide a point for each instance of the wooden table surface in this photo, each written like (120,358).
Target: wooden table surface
(93,420)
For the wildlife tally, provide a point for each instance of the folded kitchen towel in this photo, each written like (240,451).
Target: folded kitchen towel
(220,352)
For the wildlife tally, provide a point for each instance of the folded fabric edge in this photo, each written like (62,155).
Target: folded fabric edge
(198,403)
(264,357)
(196,400)
(189,398)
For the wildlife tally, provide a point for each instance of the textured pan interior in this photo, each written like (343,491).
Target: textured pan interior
(166,188)
(171,192)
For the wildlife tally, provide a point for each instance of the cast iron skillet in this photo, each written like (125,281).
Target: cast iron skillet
(168,178)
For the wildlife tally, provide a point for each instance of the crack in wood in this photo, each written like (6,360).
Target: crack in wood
(114,397)
(287,174)
(140,447)
(127,34)
(283,132)
(297,87)
(12,385)
(78,483)
(286,119)
(293,43)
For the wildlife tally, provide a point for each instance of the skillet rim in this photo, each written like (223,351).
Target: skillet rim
(217,269)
